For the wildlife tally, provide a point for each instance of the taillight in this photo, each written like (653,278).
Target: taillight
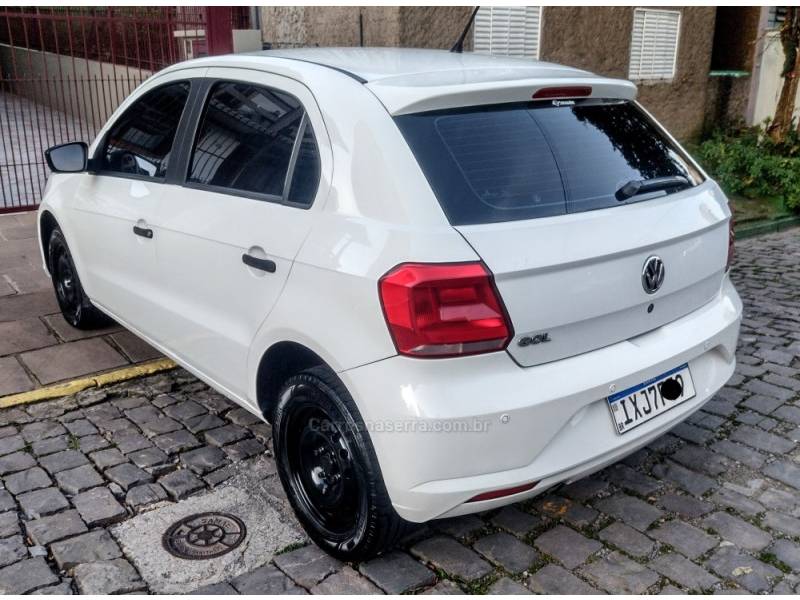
(567,91)
(731,238)
(437,310)
(503,493)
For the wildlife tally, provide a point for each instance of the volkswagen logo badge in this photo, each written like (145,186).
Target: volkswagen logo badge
(653,274)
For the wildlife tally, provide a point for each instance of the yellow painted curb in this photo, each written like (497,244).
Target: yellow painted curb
(76,385)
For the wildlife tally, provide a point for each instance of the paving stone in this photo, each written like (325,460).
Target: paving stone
(25,576)
(767,389)
(203,422)
(215,589)
(761,440)
(9,524)
(6,501)
(75,481)
(779,499)
(453,558)
(506,586)
(228,434)
(89,547)
(725,497)
(60,589)
(127,475)
(444,587)
(73,359)
(782,523)
(394,573)
(683,572)
(55,527)
(784,471)
(630,510)
(308,565)
(104,459)
(181,483)
(506,551)
(242,416)
(129,440)
(24,334)
(687,507)
(788,553)
(346,581)
(686,479)
(61,461)
(143,413)
(160,427)
(50,445)
(266,580)
(205,459)
(224,474)
(627,539)
(693,434)
(117,426)
(743,454)
(80,427)
(618,574)
(567,546)
(107,577)
(696,457)
(459,527)
(12,549)
(17,461)
(733,565)
(686,539)
(739,532)
(184,410)
(92,443)
(567,510)
(11,444)
(144,495)
(244,449)
(149,457)
(41,430)
(7,431)
(25,481)
(176,441)
(99,507)
(40,503)
(516,521)
(632,480)
(762,404)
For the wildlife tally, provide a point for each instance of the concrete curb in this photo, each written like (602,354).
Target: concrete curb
(764,227)
(76,385)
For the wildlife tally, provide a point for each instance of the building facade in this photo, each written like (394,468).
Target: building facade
(667,52)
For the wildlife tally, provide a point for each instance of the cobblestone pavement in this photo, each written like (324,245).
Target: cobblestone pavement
(713,506)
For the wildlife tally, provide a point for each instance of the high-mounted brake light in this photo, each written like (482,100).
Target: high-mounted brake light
(438,310)
(731,239)
(568,91)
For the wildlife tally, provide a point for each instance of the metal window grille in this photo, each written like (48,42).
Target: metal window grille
(508,30)
(654,44)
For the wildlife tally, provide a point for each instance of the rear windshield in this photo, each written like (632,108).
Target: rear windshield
(508,162)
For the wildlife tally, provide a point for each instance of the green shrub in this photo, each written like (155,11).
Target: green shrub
(749,163)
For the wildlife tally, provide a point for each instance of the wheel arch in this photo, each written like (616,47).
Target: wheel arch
(47,224)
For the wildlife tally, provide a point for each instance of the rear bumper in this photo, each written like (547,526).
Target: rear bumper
(447,430)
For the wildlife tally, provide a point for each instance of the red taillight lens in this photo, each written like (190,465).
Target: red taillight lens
(436,310)
(570,91)
(503,493)
(731,239)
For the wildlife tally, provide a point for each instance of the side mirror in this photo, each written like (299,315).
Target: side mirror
(67,158)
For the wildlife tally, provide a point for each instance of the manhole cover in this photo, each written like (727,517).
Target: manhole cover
(205,535)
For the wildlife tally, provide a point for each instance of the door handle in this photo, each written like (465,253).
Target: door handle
(262,264)
(143,231)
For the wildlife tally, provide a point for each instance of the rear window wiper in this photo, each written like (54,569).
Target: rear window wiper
(643,186)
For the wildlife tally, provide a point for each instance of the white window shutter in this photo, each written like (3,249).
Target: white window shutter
(654,44)
(508,30)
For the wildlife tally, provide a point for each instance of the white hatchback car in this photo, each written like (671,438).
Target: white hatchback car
(449,281)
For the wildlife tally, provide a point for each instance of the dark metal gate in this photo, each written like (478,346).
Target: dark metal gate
(63,71)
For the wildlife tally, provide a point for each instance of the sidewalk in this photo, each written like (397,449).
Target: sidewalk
(37,347)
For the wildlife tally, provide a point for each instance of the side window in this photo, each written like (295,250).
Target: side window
(140,142)
(305,178)
(246,138)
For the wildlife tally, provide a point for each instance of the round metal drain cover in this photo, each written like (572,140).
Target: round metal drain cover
(205,535)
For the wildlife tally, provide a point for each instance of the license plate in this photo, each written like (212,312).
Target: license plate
(640,403)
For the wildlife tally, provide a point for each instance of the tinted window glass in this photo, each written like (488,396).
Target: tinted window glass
(305,177)
(140,143)
(521,161)
(246,138)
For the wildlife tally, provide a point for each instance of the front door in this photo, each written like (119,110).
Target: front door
(229,235)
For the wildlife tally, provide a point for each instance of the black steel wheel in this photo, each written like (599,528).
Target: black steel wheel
(329,469)
(75,306)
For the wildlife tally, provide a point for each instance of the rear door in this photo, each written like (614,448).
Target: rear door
(229,235)
(546,194)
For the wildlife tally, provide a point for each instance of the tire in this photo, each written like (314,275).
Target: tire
(329,469)
(75,305)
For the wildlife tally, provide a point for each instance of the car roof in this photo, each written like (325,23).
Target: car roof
(410,80)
